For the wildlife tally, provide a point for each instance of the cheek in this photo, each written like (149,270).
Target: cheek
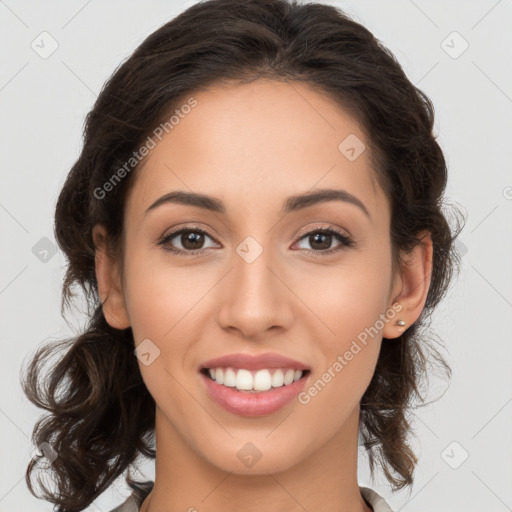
(348,359)
(351,298)
(162,308)
(352,305)
(165,305)
(158,295)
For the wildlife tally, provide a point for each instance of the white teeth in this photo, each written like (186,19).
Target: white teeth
(244,380)
(288,377)
(261,380)
(278,379)
(229,378)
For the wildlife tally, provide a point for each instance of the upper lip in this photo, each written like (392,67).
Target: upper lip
(254,362)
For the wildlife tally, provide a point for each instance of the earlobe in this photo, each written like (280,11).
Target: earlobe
(415,283)
(109,282)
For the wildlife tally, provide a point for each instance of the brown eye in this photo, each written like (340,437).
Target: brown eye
(320,241)
(191,240)
(186,241)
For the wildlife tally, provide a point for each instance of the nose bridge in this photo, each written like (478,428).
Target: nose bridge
(252,274)
(254,300)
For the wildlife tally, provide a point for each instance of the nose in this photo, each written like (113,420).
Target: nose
(255,299)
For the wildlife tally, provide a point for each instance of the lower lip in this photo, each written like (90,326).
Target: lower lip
(253,404)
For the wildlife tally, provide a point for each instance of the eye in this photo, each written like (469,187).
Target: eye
(320,240)
(191,240)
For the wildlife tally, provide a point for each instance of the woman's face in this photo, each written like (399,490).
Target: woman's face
(267,280)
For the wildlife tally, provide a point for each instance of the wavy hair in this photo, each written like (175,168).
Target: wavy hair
(101,416)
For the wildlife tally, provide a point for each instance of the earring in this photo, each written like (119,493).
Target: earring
(401,325)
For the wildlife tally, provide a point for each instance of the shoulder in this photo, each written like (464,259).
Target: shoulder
(376,501)
(127,506)
(134,501)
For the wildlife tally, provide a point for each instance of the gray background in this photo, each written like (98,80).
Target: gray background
(43,103)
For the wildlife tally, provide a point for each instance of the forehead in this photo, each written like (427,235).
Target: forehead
(255,144)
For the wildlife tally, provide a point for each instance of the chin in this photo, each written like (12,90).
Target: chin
(246,457)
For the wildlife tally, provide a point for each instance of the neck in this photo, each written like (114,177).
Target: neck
(186,481)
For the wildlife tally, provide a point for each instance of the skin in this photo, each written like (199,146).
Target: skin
(253,146)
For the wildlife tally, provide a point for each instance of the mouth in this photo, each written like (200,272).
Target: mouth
(253,385)
(245,392)
(254,381)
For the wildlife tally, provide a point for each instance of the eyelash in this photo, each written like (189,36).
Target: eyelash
(345,240)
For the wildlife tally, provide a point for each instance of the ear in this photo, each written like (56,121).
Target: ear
(109,281)
(411,286)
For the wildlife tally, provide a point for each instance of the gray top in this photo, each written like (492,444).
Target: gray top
(135,500)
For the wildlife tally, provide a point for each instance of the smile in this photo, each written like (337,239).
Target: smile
(253,402)
(254,381)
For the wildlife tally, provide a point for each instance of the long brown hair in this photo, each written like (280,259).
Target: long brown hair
(100,415)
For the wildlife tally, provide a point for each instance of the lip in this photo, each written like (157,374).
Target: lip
(254,362)
(253,404)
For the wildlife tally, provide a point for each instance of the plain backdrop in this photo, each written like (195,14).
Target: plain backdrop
(458,52)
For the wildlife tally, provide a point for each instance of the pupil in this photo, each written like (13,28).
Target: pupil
(195,239)
(322,245)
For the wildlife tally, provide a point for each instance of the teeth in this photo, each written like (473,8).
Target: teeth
(261,380)
(229,378)
(244,380)
(277,379)
(288,377)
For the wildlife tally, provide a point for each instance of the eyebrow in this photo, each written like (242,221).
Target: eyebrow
(292,204)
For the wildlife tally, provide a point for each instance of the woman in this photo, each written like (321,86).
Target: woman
(256,216)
